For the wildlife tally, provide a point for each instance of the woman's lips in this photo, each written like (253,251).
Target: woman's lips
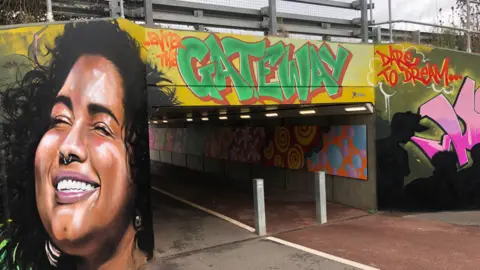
(72,187)
(73,197)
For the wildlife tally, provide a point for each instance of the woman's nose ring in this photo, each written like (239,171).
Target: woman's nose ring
(64,160)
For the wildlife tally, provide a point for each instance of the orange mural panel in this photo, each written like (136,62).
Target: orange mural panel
(344,153)
(288,146)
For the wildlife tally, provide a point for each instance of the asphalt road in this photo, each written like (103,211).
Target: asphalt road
(189,239)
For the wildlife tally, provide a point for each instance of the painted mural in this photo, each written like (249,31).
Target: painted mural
(197,136)
(243,144)
(339,151)
(213,69)
(344,152)
(427,128)
(73,107)
(218,142)
(288,146)
(248,143)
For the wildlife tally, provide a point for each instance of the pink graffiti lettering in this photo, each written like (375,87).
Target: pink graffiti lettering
(439,109)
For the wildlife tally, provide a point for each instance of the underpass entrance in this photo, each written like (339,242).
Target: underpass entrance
(227,109)
(208,157)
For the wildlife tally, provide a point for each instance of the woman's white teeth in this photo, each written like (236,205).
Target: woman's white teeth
(74,186)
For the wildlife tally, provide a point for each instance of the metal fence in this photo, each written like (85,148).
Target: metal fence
(336,20)
(272,17)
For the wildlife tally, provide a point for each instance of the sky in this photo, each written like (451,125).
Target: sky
(415,10)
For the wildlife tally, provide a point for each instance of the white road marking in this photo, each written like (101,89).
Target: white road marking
(239,224)
(322,254)
(273,239)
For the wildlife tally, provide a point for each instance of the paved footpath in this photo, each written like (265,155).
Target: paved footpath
(190,239)
(448,240)
(392,242)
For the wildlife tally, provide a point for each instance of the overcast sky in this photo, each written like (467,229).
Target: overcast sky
(415,10)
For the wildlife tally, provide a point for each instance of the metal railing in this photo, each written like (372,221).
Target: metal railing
(469,23)
(201,15)
(417,36)
(266,19)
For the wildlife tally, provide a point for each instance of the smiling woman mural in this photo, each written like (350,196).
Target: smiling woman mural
(78,165)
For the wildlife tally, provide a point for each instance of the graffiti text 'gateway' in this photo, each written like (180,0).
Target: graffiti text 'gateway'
(265,72)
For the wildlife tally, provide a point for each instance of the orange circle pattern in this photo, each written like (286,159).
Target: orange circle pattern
(305,134)
(268,151)
(282,139)
(295,157)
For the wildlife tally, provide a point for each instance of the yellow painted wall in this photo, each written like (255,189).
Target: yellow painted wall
(18,47)
(209,69)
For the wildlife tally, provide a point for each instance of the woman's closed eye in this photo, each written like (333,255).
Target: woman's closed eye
(103,129)
(59,121)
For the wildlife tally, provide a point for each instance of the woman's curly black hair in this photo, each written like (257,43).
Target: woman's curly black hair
(27,107)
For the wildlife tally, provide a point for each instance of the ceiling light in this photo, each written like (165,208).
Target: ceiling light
(245,116)
(355,109)
(304,112)
(223,118)
(271,114)
(165,121)
(155,122)
(189,119)
(204,118)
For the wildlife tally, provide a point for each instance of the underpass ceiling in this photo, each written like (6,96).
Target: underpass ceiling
(217,113)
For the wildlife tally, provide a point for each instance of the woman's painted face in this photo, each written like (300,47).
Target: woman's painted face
(83,202)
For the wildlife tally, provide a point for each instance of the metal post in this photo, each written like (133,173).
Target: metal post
(469,27)
(259,207)
(326,26)
(199,14)
(148,12)
(49,11)
(364,18)
(416,36)
(320,197)
(114,6)
(378,34)
(272,18)
(371,11)
(390,29)
(122,10)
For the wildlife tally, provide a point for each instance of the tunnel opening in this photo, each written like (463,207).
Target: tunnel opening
(209,156)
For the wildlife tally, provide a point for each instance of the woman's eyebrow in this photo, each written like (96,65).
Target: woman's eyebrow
(65,101)
(94,109)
